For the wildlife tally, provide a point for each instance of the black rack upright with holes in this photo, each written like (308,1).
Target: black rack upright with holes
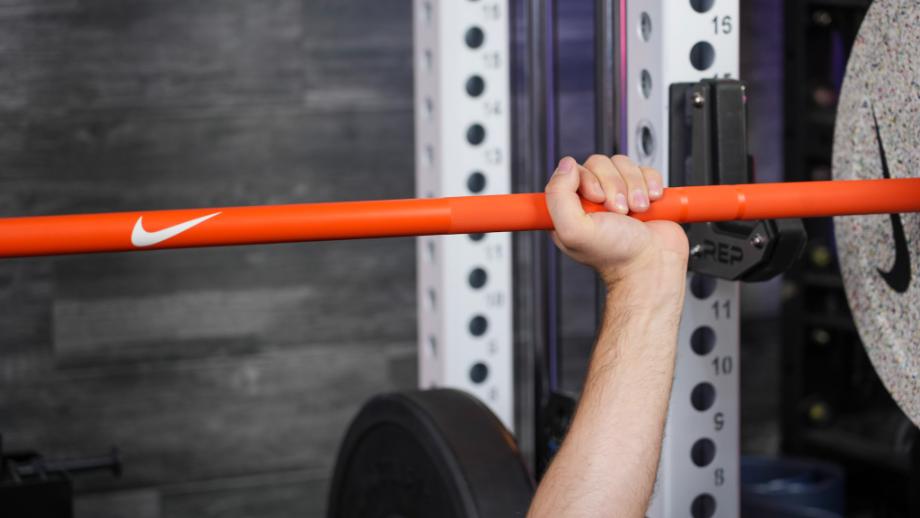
(834,406)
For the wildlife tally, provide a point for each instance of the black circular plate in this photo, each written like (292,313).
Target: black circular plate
(434,453)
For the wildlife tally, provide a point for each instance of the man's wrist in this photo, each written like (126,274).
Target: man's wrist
(655,288)
(644,308)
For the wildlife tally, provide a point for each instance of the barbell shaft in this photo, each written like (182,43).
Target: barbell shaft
(110,232)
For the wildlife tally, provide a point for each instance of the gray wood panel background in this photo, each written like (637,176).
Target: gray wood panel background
(226,376)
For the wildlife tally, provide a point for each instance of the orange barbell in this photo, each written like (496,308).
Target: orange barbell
(126,231)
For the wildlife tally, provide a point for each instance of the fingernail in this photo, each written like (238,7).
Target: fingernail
(639,199)
(619,201)
(566,165)
(654,189)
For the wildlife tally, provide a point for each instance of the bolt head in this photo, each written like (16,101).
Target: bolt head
(698,99)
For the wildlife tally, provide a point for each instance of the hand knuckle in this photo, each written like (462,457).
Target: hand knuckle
(596,160)
(624,163)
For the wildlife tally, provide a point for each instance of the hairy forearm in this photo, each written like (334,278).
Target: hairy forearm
(608,461)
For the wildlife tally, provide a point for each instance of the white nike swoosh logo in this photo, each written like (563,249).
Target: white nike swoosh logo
(141,238)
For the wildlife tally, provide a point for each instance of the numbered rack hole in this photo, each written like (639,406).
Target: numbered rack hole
(479,372)
(427,59)
(702,452)
(475,85)
(703,340)
(702,286)
(477,237)
(474,37)
(703,396)
(478,325)
(475,134)
(478,278)
(702,55)
(701,6)
(476,183)
(646,142)
(432,299)
(645,83)
(645,26)
(427,11)
(430,250)
(703,506)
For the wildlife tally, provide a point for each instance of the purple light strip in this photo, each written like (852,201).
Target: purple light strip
(552,263)
(622,80)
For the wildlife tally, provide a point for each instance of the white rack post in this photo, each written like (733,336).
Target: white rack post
(699,472)
(462,142)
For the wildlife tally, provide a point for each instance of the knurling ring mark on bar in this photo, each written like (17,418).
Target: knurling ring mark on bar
(742,204)
(684,207)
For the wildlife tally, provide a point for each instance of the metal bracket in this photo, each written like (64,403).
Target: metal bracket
(708,146)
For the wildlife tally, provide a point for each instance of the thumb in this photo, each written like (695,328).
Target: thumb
(563,202)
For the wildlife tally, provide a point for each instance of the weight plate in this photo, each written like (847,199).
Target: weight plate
(877,135)
(428,453)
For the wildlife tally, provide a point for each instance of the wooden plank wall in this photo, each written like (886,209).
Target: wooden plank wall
(226,376)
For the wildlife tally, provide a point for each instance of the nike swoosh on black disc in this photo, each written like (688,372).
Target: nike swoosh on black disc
(898,278)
